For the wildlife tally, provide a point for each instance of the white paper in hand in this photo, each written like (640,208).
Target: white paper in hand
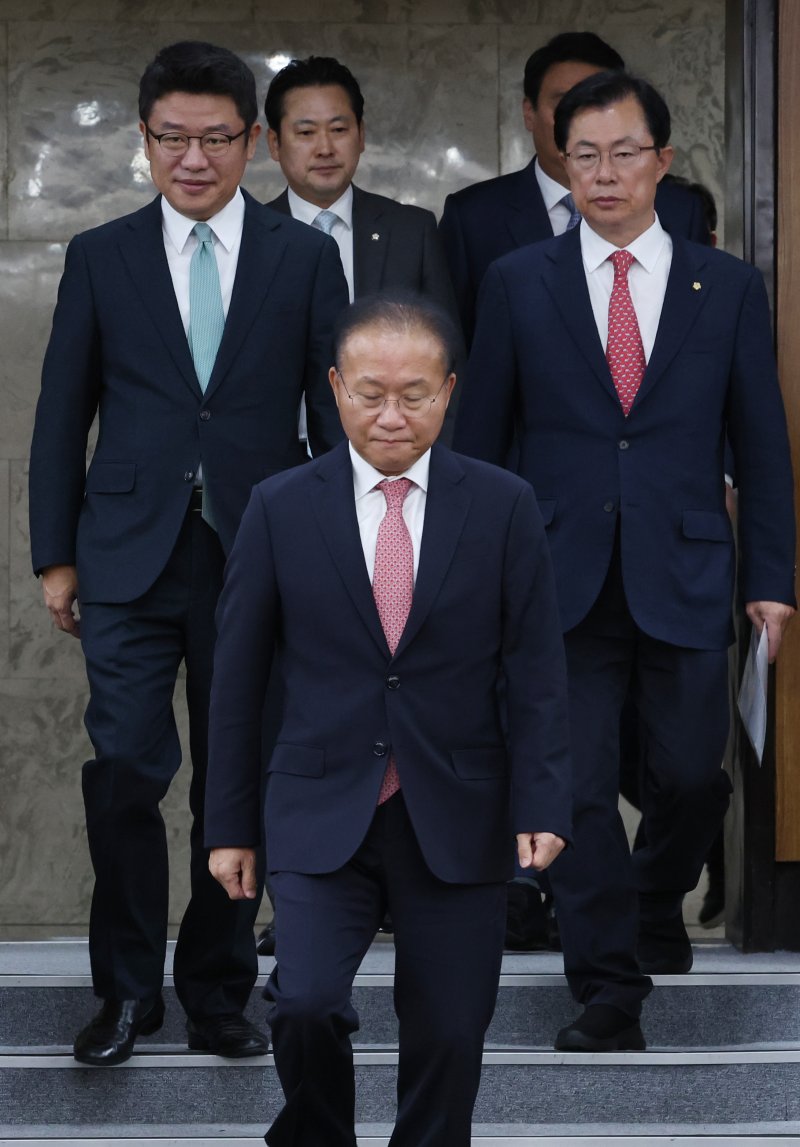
(753,692)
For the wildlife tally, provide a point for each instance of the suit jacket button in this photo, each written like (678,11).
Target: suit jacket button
(379,749)
(205,415)
(392,682)
(624,444)
(608,507)
(188,476)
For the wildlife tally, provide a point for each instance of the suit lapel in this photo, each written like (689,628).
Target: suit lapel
(370,242)
(686,294)
(334,507)
(141,248)
(566,283)
(446,507)
(260,253)
(526,215)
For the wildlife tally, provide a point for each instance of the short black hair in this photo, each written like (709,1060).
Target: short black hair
(400,312)
(568,47)
(604,89)
(201,69)
(314,72)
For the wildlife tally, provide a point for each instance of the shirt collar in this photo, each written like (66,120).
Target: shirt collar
(226,224)
(552,191)
(366,477)
(645,248)
(307,212)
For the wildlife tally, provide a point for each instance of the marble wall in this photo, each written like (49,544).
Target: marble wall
(442,80)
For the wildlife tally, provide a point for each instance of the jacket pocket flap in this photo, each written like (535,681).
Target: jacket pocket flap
(478,764)
(299,760)
(706,525)
(111,478)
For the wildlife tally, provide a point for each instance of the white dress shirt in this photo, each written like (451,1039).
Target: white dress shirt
(342,230)
(371,504)
(552,194)
(180,244)
(647,278)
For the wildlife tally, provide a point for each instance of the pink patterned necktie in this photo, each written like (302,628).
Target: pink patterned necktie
(624,350)
(393,586)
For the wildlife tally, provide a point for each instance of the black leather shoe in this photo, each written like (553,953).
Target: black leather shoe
(664,949)
(601,1027)
(229,1035)
(265,944)
(110,1036)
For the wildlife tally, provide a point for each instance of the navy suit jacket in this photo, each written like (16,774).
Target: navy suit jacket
(394,245)
(538,369)
(118,349)
(490,219)
(484,602)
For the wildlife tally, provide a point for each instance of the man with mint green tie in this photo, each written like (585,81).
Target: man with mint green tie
(191,328)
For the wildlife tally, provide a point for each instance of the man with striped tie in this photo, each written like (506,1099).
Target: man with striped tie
(191,329)
(620,357)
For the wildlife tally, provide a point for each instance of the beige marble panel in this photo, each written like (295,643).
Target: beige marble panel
(29,276)
(43,852)
(3,130)
(135,11)
(5,515)
(430,97)
(685,62)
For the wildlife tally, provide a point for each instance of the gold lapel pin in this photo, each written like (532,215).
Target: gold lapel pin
(375,236)
(696,286)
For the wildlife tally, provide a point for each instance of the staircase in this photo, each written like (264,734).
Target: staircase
(722,1069)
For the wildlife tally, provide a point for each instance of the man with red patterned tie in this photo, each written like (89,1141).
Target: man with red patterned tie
(620,357)
(397,584)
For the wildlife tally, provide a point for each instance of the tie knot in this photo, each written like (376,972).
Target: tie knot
(395,491)
(203,232)
(622,261)
(325,221)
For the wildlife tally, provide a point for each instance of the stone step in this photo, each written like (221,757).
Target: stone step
(727,1001)
(484,1136)
(629,1091)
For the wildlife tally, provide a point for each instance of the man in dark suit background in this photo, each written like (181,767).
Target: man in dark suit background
(621,383)
(392,783)
(191,328)
(489,219)
(315,111)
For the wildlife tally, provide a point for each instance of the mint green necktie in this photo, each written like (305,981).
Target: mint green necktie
(206,316)
(206,321)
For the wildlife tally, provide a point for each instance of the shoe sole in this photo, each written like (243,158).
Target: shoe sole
(200,1043)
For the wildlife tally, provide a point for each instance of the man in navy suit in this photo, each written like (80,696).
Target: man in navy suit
(186,427)
(490,219)
(625,452)
(393,783)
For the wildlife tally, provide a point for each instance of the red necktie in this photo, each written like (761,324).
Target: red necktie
(624,350)
(393,586)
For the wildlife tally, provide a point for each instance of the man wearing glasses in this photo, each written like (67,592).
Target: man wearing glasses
(399,582)
(621,357)
(191,329)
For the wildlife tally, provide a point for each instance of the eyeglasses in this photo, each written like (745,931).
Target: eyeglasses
(213,143)
(621,155)
(411,405)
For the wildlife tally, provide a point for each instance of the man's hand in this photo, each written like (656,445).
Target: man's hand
(235,869)
(538,849)
(60,589)
(776,615)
